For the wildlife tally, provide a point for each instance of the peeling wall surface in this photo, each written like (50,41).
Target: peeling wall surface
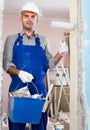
(86,58)
(1,21)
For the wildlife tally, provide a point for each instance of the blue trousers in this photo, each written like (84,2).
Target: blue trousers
(21,126)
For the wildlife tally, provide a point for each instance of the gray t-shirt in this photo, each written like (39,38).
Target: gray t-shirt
(8,49)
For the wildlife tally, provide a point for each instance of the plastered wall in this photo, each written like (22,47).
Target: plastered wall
(1,22)
(86,59)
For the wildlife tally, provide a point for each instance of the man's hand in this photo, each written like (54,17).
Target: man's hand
(63,48)
(25,76)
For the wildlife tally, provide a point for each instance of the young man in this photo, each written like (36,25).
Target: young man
(27,57)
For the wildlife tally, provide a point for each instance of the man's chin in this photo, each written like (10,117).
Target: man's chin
(29,28)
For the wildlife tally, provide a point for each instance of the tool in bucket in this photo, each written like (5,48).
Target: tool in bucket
(24,92)
(21,92)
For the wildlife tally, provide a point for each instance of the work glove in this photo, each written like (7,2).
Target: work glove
(25,76)
(63,48)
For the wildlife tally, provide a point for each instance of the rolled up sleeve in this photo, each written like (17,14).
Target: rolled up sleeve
(8,54)
(49,55)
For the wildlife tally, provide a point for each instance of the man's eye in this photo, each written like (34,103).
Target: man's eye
(33,16)
(26,16)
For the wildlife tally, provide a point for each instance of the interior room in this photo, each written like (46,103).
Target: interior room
(52,11)
(68,83)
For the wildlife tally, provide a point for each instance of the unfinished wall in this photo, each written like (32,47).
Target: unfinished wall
(81,97)
(79,39)
(86,58)
(1,21)
(73,67)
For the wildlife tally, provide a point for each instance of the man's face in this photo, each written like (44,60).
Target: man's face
(29,20)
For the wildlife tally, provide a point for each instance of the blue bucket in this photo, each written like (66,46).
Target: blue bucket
(25,110)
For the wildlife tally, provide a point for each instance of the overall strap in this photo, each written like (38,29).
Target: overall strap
(37,40)
(19,39)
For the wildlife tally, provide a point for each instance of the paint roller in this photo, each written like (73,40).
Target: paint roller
(64,25)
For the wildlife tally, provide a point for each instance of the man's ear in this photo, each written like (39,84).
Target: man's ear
(21,18)
(37,20)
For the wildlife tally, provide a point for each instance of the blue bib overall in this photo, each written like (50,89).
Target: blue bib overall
(30,58)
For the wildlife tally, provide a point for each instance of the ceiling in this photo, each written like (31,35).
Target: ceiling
(52,9)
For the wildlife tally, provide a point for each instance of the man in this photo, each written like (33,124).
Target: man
(27,57)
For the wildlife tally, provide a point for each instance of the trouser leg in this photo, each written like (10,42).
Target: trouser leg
(16,126)
(43,123)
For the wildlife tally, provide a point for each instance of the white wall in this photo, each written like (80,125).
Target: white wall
(12,25)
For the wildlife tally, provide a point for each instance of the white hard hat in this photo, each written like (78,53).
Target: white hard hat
(30,6)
